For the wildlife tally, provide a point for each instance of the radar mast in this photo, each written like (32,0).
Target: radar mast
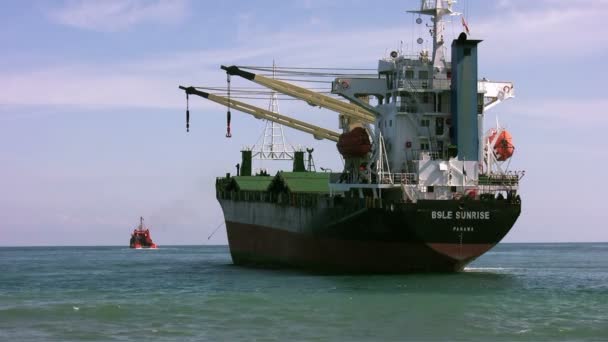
(437,9)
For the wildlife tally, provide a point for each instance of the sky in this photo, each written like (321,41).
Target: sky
(92,127)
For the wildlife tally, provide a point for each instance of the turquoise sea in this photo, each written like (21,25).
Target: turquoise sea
(516,292)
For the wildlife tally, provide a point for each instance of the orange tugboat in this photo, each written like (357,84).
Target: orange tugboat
(140,238)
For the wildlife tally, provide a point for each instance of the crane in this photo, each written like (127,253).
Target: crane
(349,110)
(318,132)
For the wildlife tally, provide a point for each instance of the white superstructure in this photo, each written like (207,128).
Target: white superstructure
(414,132)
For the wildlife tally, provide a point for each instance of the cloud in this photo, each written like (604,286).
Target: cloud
(147,82)
(85,86)
(555,31)
(151,81)
(502,4)
(117,15)
(561,111)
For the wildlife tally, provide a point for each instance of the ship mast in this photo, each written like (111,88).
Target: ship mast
(273,145)
(437,9)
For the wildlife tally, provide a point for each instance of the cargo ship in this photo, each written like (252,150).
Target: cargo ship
(141,238)
(423,188)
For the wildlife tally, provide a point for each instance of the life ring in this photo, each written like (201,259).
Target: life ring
(506,89)
(471,193)
(344,84)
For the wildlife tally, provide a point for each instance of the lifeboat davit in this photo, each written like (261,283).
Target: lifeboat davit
(503,145)
(355,143)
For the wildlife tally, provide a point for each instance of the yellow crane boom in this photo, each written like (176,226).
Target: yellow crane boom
(348,109)
(317,132)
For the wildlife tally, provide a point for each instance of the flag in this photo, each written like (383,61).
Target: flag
(464,24)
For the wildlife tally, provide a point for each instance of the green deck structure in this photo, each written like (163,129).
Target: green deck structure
(250,183)
(302,182)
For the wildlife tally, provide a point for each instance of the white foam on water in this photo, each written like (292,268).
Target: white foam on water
(485,269)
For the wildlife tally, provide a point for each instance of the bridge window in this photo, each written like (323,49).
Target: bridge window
(425,97)
(425,123)
(440,145)
(439,126)
(439,99)
(423,74)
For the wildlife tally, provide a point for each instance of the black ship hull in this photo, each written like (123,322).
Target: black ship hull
(427,236)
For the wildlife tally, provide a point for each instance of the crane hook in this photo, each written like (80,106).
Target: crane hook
(187,114)
(228,134)
(228,116)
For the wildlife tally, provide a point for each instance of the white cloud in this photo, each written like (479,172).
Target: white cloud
(86,86)
(149,82)
(116,15)
(561,111)
(554,31)
(152,81)
(504,4)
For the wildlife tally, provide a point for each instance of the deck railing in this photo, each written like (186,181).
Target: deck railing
(499,179)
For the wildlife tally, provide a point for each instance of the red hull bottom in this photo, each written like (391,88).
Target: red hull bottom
(253,245)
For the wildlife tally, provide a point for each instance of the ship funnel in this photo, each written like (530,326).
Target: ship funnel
(298,162)
(464,98)
(246,163)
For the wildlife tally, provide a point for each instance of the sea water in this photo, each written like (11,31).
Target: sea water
(515,292)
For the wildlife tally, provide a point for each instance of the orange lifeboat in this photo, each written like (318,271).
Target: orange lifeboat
(503,146)
(354,143)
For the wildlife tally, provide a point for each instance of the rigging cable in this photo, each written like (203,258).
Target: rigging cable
(215,230)
(299,68)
